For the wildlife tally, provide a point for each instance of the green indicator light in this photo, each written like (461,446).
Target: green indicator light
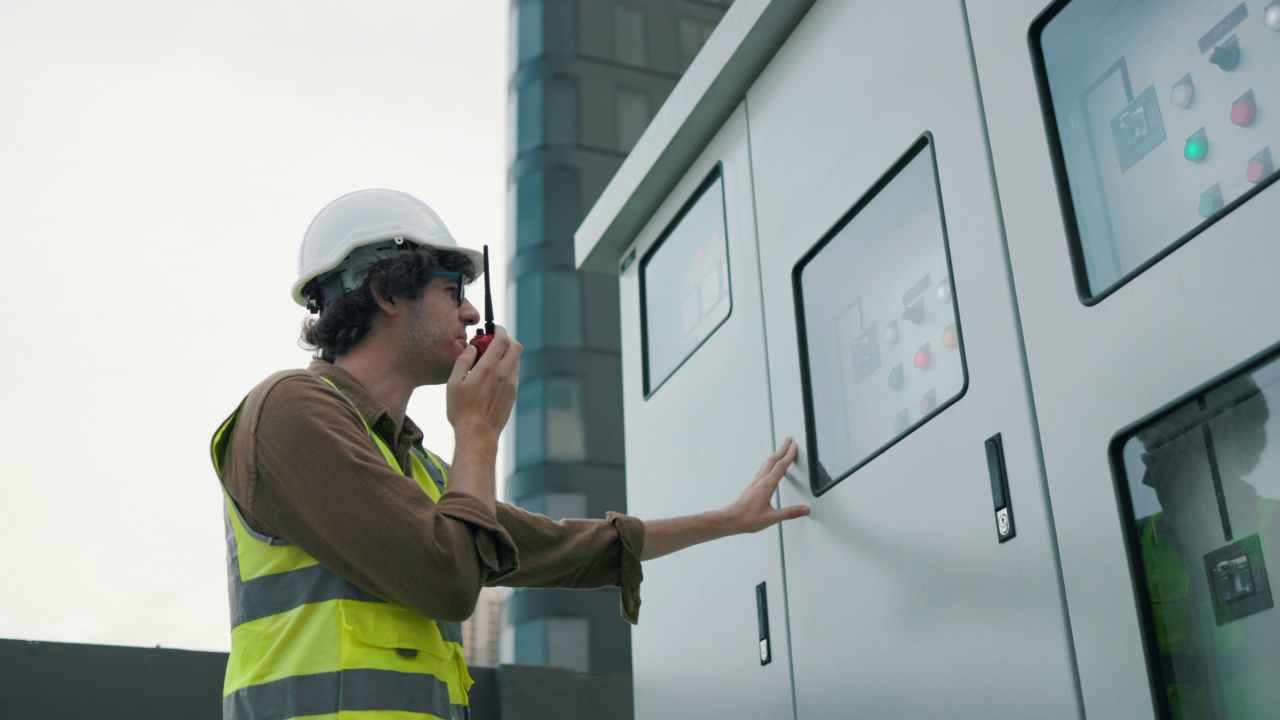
(1197,147)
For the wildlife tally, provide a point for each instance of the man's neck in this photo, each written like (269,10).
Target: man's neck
(376,371)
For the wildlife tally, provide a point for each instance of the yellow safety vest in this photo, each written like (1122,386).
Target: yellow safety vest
(1243,673)
(307,643)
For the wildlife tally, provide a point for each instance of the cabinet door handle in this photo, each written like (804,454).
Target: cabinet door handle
(762,616)
(1005,529)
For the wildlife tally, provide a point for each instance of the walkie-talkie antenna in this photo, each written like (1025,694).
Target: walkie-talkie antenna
(484,337)
(488,296)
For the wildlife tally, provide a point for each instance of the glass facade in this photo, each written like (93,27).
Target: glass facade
(881,349)
(1199,485)
(1153,116)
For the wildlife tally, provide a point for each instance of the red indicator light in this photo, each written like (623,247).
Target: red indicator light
(1243,112)
(1255,171)
(922,358)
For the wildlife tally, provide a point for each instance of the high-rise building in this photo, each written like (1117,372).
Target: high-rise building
(482,631)
(586,78)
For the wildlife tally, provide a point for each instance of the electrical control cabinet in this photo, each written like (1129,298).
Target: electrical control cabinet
(885,201)
(711,644)
(1122,319)
(1006,272)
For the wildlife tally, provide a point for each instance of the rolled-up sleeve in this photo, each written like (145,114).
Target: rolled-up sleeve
(306,471)
(575,554)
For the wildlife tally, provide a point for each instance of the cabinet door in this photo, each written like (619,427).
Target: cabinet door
(1141,233)
(867,134)
(698,426)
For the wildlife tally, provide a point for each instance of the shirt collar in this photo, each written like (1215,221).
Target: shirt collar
(374,412)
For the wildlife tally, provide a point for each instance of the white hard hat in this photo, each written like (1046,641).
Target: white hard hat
(353,231)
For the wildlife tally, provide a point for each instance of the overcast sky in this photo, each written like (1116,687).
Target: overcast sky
(159,162)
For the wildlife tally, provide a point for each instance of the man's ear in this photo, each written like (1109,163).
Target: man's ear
(387,304)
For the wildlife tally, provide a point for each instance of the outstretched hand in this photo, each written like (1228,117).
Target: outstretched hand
(753,511)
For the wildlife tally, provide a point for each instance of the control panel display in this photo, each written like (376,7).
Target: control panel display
(684,284)
(1163,117)
(1199,485)
(879,336)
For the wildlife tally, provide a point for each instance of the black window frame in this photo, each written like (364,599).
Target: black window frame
(716,174)
(1062,180)
(1128,523)
(818,484)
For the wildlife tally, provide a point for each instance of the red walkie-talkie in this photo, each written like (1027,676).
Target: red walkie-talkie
(485,336)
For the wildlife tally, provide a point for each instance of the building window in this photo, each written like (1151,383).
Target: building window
(557,642)
(557,506)
(548,206)
(562,321)
(562,111)
(565,422)
(629,35)
(529,424)
(529,116)
(541,27)
(693,35)
(527,30)
(551,427)
(549,310)
(547,112)
(530,202)
(631,111)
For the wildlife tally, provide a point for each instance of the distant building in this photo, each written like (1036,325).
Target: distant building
(586,78)
(482,631)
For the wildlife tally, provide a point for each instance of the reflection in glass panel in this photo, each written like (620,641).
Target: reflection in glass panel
(684,284)
(1199,485)
(1158,128)
(879,334)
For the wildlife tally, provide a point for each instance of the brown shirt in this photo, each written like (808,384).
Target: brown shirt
(301,467)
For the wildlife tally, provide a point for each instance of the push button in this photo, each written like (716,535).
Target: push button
(1244,110)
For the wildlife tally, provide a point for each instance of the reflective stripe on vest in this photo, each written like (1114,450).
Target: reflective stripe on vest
(305,642)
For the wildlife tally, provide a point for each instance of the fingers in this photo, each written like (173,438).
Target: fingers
(463,365)
(791,512)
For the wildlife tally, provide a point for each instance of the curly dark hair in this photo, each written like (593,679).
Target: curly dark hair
(346,319)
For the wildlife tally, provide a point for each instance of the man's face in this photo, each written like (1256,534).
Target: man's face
(436,329)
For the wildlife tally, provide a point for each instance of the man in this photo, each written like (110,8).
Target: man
(353,552)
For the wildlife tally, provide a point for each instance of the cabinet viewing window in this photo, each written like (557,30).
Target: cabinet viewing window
(1157,124)
(879,334)
(1199,489)
(684,284)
